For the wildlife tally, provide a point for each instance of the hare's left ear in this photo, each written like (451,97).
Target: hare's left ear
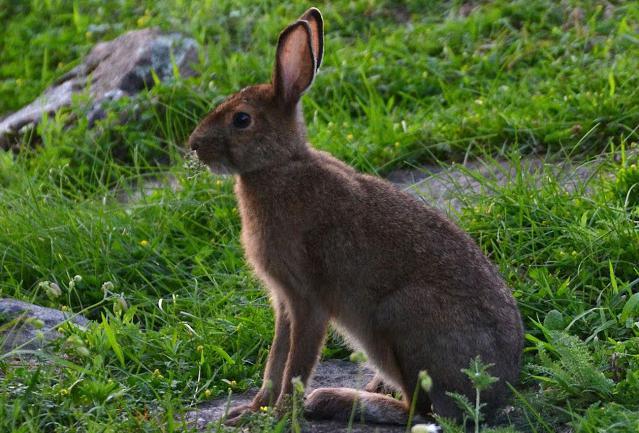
(294,63)
(314,19)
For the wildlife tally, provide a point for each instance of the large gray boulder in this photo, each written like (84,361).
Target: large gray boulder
(111,70)
(21,323)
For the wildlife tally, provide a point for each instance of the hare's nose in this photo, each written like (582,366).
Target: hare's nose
(194,143)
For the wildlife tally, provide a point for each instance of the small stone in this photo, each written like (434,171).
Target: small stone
(29,321)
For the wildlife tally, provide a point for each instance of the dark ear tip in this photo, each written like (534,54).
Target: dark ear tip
(315,12)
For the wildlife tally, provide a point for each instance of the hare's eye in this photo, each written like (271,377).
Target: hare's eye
(241,120)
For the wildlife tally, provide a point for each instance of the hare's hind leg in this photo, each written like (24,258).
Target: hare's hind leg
(339,404)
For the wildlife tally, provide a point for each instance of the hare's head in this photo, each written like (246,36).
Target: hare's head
(262,126)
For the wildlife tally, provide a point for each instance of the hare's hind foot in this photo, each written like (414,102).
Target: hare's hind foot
(343,403)
(379,386)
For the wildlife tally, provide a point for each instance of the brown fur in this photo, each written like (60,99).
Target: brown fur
(397,278)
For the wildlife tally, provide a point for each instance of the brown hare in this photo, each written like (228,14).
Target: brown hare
(399,280)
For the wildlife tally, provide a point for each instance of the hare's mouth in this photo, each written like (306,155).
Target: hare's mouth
(216,162)
(220,167)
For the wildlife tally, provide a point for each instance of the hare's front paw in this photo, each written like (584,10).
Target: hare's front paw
(238,413)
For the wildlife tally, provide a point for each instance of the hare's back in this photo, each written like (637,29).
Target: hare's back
(387,235)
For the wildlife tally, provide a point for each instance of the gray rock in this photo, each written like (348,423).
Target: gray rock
(21,332)
(112,70)
(328,374)
(443,187)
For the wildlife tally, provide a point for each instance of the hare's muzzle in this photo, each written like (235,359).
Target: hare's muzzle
(195,142)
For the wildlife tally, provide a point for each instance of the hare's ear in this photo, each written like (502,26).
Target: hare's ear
(314,18)
(294,63)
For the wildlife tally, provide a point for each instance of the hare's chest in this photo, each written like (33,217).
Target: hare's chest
(255,241)
(273,240)
(274,256)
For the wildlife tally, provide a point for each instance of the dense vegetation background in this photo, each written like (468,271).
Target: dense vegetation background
(179,317)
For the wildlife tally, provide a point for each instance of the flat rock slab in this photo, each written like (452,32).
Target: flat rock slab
(22,333)
(113,69)
(332,373)
(442,187)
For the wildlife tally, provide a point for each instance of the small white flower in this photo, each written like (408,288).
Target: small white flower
(53,290)
(107,287)
(425,380)
(36,323)
(120,304)
(298,385)
(424,428)
(358,357)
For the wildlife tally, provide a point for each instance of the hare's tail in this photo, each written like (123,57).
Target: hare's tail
(344,403)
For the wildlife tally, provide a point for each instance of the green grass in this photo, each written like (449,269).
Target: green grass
(398,84)
(402,84)
(571,257)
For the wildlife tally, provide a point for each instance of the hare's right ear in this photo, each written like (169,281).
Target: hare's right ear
(294,63)
(314,18)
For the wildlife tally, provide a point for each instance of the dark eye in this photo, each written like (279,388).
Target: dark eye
(241,120)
